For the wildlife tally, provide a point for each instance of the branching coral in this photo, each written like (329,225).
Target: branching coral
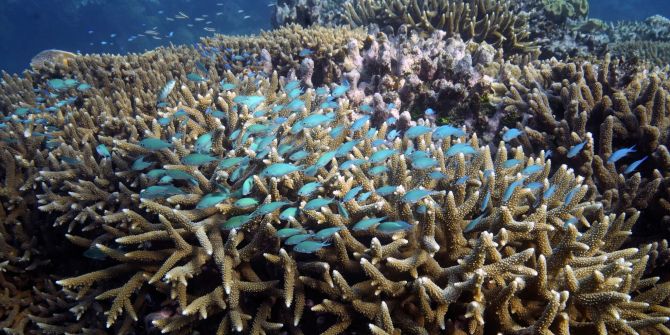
(260,191)
(490,20)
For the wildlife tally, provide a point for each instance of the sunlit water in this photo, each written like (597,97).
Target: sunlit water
(121,26)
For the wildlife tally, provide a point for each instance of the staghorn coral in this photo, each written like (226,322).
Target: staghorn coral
(492,21)
(656,53)
(559,104)
(479,241)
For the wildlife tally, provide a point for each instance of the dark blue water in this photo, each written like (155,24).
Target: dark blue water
(115,26)
(112,26)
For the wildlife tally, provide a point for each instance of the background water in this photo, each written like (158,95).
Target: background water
(105,26)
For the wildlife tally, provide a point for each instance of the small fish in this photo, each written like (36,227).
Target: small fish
(309,247)
(345,148)
(351,194)
(534,185)
(358,124)
(549,192)
(382,155)
(245,203)
(458,148)
(326,233)
(634,165)
(386,190)
(377,170)
(295,239)
(309,188)
(227,86)
(429,112)
(325,158)
(288,232)
(510,189)
(235,222)
(531,169)
(298,155)
(296,105)
(316,120)
(461,180)
(246,17)
(279,170)
(445,131)
(288,213)
(367,223)
(364,196)
(511,134)
(204,143)
(473,224)
(416,131)
(153,143)
(392,135)
(70,160)
(269,208)
(247,186)
(196,159)
(83,87)
(570,195)
(139,164)
(342,210)
(232,161)
(195,77)
(485,201)
(317,203)
(160,191)
(617,155)
(305,52)
(251,101)
(389,227)
(341,89)
(415,195)
(510,163)
(103,151)
(423,163)
(576,149)
(211,199)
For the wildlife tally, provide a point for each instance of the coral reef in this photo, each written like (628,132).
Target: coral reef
(313,180)
(492,21)
(562,10)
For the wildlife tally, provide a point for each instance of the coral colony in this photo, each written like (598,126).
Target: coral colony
(429,178)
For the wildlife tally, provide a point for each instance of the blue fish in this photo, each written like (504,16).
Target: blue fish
(247,185)
(165,91)
(341,89)
(510,189)
(458,148)
(235,222)
(531,169)
(473,224)
(251,101)
(352,193)
(290,86)
(534,185)
(382,155)
(511,163)
(309,188)
(570,195)
(634,165)
(325,159)
(245,203)
(279,170)
(204,143)
(511,134)
(576,149)
(620,154)
(196,159)
(232,161)
(227,86)
(288,213)
(152,143)
(367,223)
(342,210)
(295,105)
(160,191)
(386,190)
(316,120)
(321,91)
(103,151)
(326,233)
(294,93)
(195,77)
(549,192)
(309,247)
(211,199)
(485,201)
(389,227)
(139,164)
(364,196)
(462,180)
(317,203)
(437,175)
(429,112)
(392,135)
(416,131)
(336,132)
(358,124)
(305,52)
(445,131)
(269,208)
(415,195)
(295,239)
(377,170)
(423,163)
(298,155)
(288,232)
